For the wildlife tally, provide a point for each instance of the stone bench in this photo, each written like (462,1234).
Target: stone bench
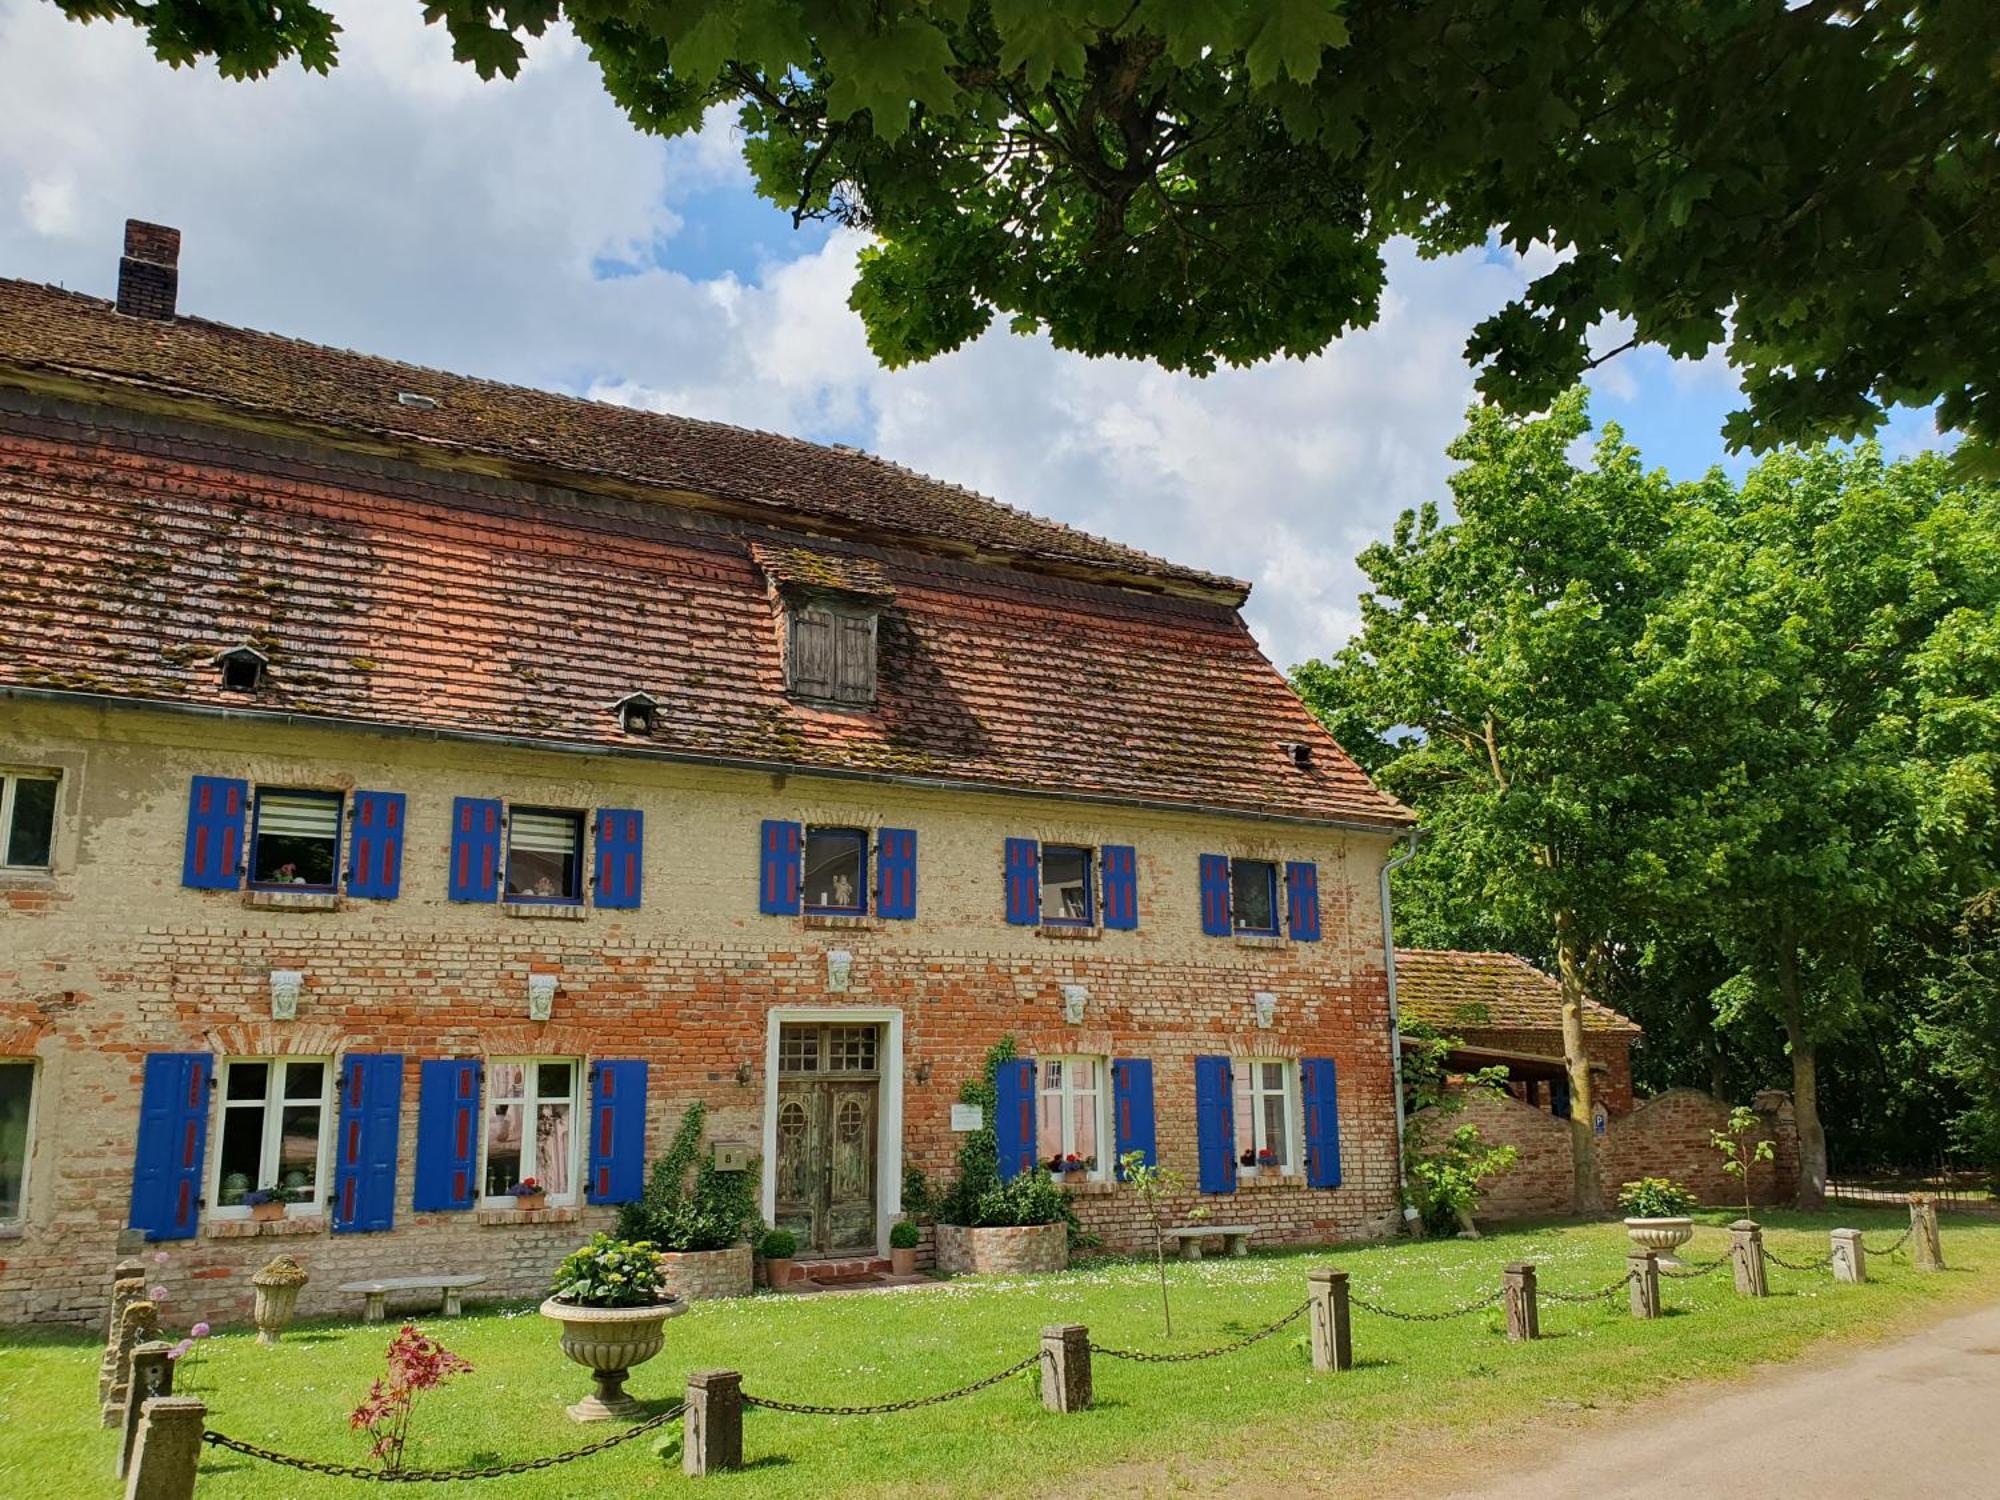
(376,1308)
(1235,1238)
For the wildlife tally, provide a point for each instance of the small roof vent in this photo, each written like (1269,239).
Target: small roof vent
(243,668)
(1300,752)
(638,713)
(418,400)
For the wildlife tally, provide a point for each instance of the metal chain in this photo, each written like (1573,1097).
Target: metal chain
(1144,1357)
(441,1476)
(1603,1294)
(1693,1273)
(1901,1240)
(1432,1317)
(1813,1265)
(801,1409)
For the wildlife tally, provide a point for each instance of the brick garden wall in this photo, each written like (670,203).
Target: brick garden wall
(1666,1136)
(111,959)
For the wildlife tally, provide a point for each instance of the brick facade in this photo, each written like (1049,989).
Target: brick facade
(110,958)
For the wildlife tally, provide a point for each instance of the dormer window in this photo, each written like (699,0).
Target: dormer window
(1300,752)
(830,607)
(638,713)
(830,653)
(242,668)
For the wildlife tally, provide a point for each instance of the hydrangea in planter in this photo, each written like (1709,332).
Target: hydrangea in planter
(1657,1211)
(612,1304)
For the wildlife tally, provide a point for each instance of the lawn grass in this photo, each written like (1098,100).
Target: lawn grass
(1423,1392)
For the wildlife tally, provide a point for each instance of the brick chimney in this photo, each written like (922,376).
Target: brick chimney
(149,275)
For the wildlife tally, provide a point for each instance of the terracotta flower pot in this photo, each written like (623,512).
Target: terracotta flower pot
(1663,1236)
(608,1341)
(902,1262)
(264,1213)
(778,1272)
(530,1202)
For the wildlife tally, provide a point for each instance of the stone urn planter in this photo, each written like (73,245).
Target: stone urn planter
(1663,1236)
(277,1289)
(608,1342)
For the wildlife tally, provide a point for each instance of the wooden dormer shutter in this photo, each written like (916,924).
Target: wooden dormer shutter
(854,658)
(811,668)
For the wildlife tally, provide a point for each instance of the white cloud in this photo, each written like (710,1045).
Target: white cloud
(402,207)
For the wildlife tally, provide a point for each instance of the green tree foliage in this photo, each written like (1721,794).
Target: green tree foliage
(1204,181)
(1963,1026)
(1725,757)
(1502,648)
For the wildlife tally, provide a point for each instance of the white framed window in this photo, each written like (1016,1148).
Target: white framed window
(1267,1116)
(544,855)
(1069,885)
(27,819)
(1072,1124)
(533,1105)
(295,840)
(17,1116)
(274,1129)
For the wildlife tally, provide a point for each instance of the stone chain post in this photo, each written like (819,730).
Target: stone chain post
(1746,1258)
(1850,1257)
(1926,1253)
(128,1285)
(1523,1316)
(168,1451)
(151,1374)
(712,1425)
(139,1322)
(1643,1267)
(1066,1367)
(1332,1332)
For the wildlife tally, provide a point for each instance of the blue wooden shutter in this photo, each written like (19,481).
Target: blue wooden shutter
(1215,1124)
(896,873)
(621,856)
(617,1131)
(1215,895)
(475,849)
(447,1133)
(375,867)
(1302,900)
(364,1153)
(1322,1108)
(1024,882)
(173,1139)
(1121,887)
(214,855)
(1014,1117)
(780,869)
(1132,1109)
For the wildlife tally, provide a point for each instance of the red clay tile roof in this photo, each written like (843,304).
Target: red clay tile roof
(1487,991)
(815,569)
(402,596)
(47,330)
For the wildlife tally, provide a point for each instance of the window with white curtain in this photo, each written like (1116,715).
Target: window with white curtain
(1267,1115)
(1070,1128)
(531,1131)
(544,855)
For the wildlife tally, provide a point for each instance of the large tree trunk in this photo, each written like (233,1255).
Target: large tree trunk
(1586,1186)
(1805,1083)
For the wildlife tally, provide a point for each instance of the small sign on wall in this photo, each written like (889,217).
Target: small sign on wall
(967,1117)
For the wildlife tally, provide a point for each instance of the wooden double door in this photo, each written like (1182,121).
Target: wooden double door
(829,1119)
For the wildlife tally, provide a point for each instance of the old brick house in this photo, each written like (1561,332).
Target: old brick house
(415,785)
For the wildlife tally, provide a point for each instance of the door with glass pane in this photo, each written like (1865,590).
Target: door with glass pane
(829,1092)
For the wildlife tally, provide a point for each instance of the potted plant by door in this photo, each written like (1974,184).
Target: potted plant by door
(609,1298)
(903,1238)
(780,1246)
(529,1195)
(1656,1211)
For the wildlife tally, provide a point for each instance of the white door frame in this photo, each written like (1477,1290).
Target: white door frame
(888,1114)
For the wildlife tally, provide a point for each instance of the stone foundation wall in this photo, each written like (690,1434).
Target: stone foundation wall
(1033,1247)
(701,1274)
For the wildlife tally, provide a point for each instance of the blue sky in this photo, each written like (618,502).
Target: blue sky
(525,232)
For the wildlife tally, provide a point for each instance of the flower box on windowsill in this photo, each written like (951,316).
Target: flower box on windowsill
(546,911)
(1072,934)
(283,900)
(832,921)
(561,1214)
(251,1229)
